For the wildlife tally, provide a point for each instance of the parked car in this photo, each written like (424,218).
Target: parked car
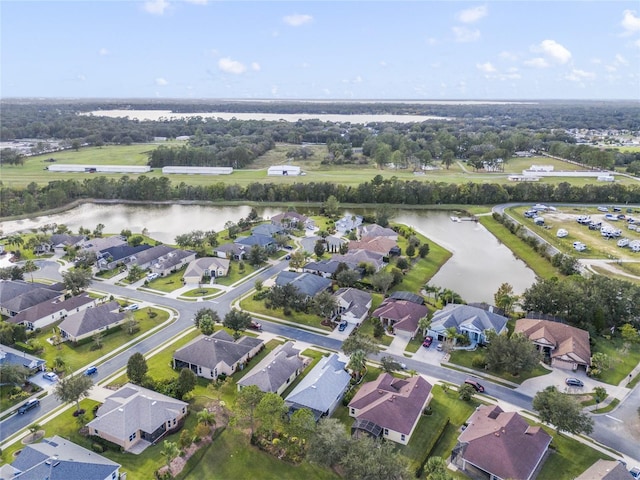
(439,347)
(288,257)
(574,382)
(474,384)
(132,307)
(603,209)
(428,340)
(51,376)
(288,247)
(152,276)
(635,472)
(92,370)
(255,325)
(343,326)
(28,405)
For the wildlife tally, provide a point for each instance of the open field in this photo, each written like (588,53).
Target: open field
(34,167)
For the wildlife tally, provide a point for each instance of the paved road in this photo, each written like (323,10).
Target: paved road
(607,430)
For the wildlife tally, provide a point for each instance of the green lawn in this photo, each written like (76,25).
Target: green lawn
(168,284)
(202,292)
(258,307)
(520,249)
(622,361)
(235,275)
(414,344)
(108,273)
(231,456)
(78,356)
(464,358)
(366,328)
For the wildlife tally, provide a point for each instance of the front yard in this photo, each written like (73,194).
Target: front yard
(306,319)
(167,284)
(623,360)
(464,358)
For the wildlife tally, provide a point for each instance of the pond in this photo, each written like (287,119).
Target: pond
(479,265)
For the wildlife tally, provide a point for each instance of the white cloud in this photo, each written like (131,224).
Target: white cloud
(255,66)
(577,75)
(103,52)
(466,35)
(486,67)
(472,15)
(297,19)
(537,62)
(231,66)
(508,56)
(161,82)
(630,22)
(156,7)
(620,60)
(553,51)
(197,2)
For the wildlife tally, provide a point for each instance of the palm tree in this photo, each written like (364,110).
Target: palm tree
(206,417)
(15,240)
(423,324)
(29,267)
(357,362)
(33,428)
(170,451)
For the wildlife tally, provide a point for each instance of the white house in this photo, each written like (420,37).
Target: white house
(283,170)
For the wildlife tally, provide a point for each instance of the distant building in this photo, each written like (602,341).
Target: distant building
(69,168)
(284,170)
(197,170)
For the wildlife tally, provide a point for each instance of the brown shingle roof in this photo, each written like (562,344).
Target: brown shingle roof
(503,443)
(568,343)
(374,244)
(392,403)
(405,314)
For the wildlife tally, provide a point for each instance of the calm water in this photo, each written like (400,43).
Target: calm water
(477,268)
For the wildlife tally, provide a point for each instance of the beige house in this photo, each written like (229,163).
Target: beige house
(565,346)
(135,415)
(210,356)
(390,407)
(212,267)
(90,321)
(276,371)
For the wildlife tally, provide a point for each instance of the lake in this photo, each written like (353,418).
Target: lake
(479,265)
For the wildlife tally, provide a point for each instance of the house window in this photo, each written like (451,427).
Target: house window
(184,409)
(199,369)
(132,436)
(402,437)
(386,432)
(353,411)
(113,476)
(174,421)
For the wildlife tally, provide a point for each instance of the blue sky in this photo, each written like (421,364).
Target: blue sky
(321,50)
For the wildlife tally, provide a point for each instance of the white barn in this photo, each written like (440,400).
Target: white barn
(197,170)
(281,170)
(80,168)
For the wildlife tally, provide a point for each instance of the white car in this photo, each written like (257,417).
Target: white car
(152,276)
(51,376)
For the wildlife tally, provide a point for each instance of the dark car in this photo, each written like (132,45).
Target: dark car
(92,370)
(288,257)
(574,382)
(342,327)
(30,404)
(288,247)
(474,384)
(428,340)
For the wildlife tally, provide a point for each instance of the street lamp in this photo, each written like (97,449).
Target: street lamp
(52,459)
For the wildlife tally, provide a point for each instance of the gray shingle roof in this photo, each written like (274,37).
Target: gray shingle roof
(12,356)
(267,229)
(306,283)
(199,265)
(171,259)
(274,370)
(255,239)
(132,408)
(320,388)
(91,319)
(64,239)
(51,307)
(151,254)
(19,296)
(209,351)
(467,316)
(113,254)
(74,462)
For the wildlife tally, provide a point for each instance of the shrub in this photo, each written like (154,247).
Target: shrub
(96,447)
(479,361)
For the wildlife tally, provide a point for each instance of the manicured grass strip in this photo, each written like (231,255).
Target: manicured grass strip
(520,249)
(167,284)
(607,408)
(202,292)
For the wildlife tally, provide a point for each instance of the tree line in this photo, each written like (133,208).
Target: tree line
(34,198)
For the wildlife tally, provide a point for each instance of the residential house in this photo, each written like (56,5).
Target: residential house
(264,241)
(17,296)
(267,229)
(103,243)
(348,223)
(87,323)
(411,297)
(606,470)
(390,407)
(473,322)
(211,267)
(383,245)
(307,284)
(501,445)
(172,262)
(11,356)
(331,243)
(60,241)
(135,415)
(287,220)
(353,304)
(146,258)
(322,388)
(276,371)
(402,315)
(375,230)
(50,311)
(232,251)
(328,268)
(357,257)
(57,457)
(110,257)
(563,345)
(210,356)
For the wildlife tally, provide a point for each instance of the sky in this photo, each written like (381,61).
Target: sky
(420,50)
